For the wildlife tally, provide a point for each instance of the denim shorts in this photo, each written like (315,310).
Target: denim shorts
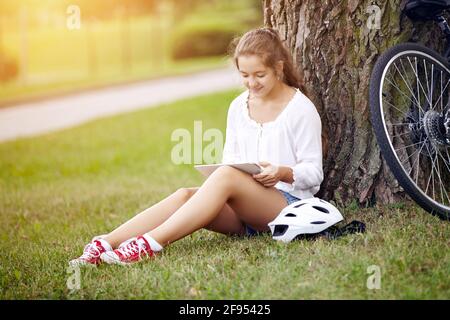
(289,198)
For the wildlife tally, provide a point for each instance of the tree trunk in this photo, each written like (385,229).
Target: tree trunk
(335,47)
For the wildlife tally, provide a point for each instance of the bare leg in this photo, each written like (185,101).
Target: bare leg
(253,203)
(150,218)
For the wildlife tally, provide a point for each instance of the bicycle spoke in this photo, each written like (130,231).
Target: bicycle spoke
(426,77)
(417,79)
(442,184)
(411,82)
(401,134)
(401,148)
(403,123)
(440,180)
(398,124)
(434,169)
(407,160)
(418,161)
(431,175)
(447,164)
(419,83)
(394,83)
(410,90)
(432,85)
(403,94)
(419,151)
(442,92)
(448,156)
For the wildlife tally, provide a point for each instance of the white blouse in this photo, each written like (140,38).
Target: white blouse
(293,139)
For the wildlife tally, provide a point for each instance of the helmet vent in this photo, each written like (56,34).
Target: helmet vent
(318,222)
(299,205)
(321,209)
(290,215)
(279,230)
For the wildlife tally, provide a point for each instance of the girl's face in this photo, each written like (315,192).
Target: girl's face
(258,78)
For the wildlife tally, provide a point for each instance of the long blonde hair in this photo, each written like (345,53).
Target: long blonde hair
(266,43)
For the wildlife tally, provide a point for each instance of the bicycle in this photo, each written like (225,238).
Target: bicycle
(409,98)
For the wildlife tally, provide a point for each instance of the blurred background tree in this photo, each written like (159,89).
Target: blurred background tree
(117,41)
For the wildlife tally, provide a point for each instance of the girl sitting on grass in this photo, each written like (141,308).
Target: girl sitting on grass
(272,123)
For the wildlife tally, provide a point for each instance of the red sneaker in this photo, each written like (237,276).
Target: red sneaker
(133,250)
(91,253)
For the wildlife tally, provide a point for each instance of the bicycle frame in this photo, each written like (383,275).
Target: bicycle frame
(445,28)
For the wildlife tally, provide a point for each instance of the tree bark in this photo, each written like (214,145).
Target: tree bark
(335,50)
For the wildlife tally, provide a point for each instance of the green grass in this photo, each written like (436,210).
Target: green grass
(58,190)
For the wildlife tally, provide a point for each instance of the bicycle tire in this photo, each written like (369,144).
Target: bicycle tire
(377,106)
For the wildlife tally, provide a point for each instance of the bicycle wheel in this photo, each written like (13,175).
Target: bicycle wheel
(409,104)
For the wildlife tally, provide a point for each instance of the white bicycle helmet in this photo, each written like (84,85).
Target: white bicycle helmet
(306,216)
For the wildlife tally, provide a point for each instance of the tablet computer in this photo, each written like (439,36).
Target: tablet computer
(250,168)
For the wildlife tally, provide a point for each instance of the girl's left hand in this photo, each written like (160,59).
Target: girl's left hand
(269,176)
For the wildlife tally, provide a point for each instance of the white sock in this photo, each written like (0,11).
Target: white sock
(154,245)
(104,243)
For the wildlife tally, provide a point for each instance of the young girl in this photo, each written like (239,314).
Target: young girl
(272,123)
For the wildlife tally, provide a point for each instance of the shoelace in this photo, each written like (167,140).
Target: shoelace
(91,251)
(132,247)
